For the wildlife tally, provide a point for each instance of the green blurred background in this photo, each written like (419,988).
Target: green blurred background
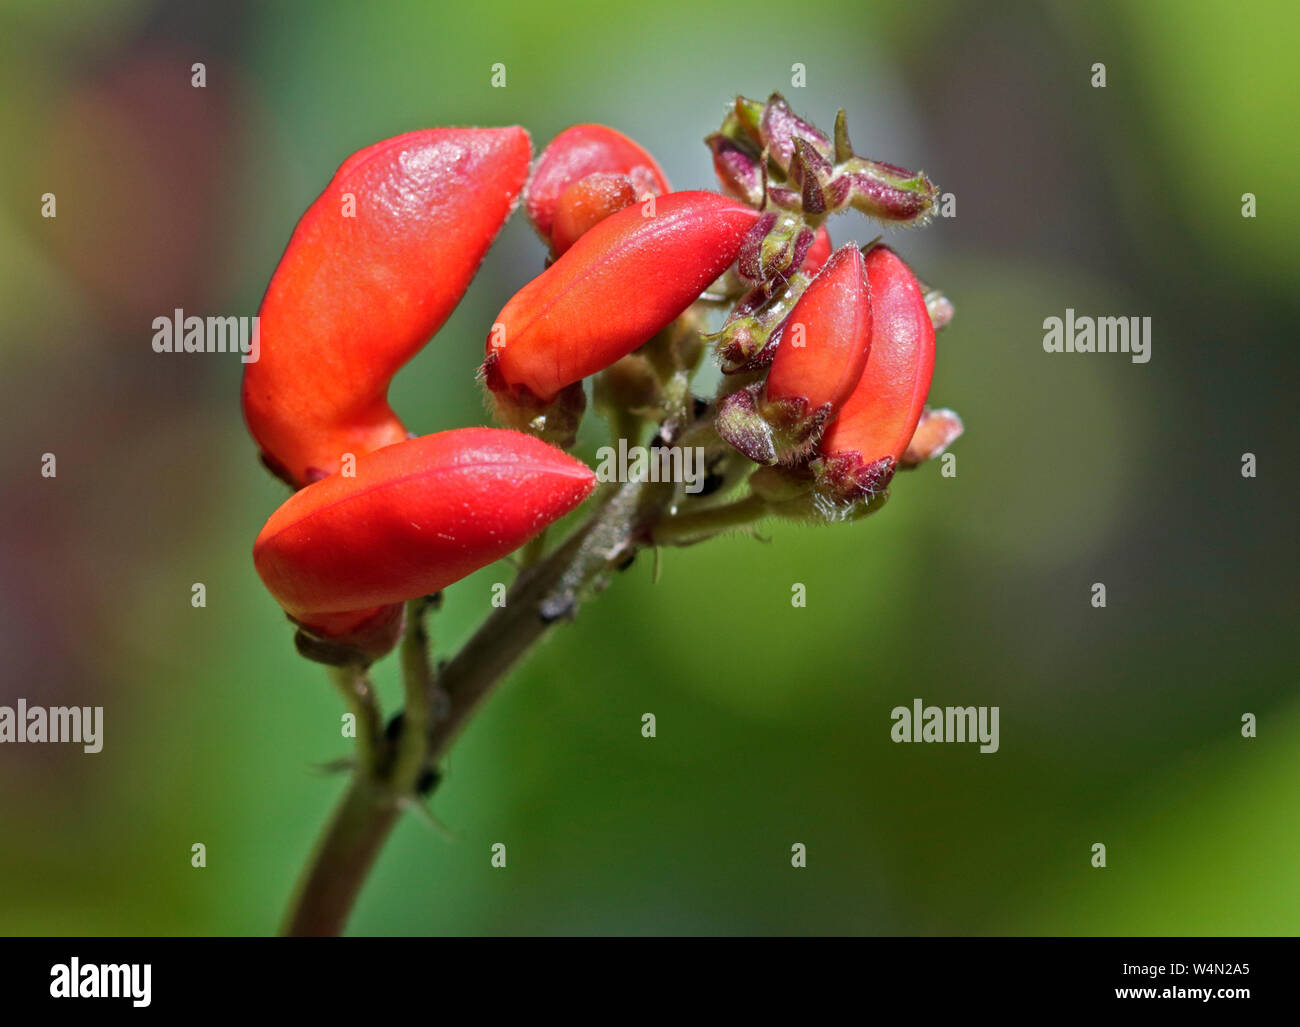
(1119,726)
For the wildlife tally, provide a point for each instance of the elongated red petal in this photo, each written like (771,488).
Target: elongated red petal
(417,516)
(374,268)
(878,419)
(820,356)
(618,285)
(825,342)
(577,152)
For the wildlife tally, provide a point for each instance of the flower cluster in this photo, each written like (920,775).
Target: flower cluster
(826,353)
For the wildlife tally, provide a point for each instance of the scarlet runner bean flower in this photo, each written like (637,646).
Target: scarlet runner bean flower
(418,516)
(823,348)
(576,153)
(623,281)
(374,268)
(863,445)
(354,298)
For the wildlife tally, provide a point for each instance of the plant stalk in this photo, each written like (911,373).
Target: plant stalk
(543,595)
(342,860)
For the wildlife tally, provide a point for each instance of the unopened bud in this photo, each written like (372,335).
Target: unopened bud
(820,189)
(739,169)
(937,430)
(577,152)
(863,445)
(817,365)
(588,202)
(748,339)
(775,248)
(744,121)
(890,193)
(781,128)
(940,308)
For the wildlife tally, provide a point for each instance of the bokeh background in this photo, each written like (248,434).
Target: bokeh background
(1119,726)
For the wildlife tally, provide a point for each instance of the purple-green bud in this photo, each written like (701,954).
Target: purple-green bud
(739,168)
(821,191)
(768,430)
(781,128)
(749,337)
(766,154)
(744,121)
(740,423)
(774,247)
(888,192)
(842,479)
(786,199)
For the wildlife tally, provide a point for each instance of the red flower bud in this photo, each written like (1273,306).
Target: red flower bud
(834,316)
(374,267)
(418,516)
(587,203)
(862,446)
(820,358)
(580,151)
(623,281)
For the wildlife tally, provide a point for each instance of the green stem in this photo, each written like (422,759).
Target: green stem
(533,551)
(696,525)
(342,860)
(359,695)
(419,683)
(623,424)
(502,640)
